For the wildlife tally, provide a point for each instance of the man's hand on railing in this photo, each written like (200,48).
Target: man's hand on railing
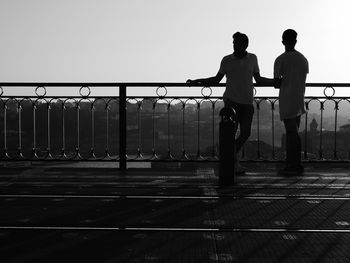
(190,82)
(197,82)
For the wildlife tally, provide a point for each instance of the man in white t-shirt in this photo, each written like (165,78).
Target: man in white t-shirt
(239,69)
(290,70)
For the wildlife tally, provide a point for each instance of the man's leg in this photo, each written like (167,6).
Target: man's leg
(230,104)
(244,118)
(293,143)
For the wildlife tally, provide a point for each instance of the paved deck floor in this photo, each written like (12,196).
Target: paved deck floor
(175,215)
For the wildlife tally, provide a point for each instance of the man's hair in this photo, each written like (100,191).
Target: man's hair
(241,37)
(289,37)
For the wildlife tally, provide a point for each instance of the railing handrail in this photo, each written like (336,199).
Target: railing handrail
(145,84)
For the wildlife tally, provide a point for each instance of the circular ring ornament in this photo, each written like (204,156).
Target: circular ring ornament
(325,92)
(206,92)
(85,91)
(161,91)
(40,91)
(254,91)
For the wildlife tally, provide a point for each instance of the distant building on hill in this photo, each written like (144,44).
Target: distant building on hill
(325,144)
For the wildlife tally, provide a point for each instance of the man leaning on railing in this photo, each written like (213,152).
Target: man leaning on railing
(239,69)
(290,70)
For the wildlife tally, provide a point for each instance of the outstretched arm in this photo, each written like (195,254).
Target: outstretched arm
(262,80)
(207,81)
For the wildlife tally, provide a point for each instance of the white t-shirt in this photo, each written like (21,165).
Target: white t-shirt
(292,67)
(239,77)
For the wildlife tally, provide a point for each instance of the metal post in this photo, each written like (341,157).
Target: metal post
(227,151)
(122,127)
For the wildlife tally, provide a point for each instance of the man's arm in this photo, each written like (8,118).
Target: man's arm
(276,82)
(262,80)
(207,81)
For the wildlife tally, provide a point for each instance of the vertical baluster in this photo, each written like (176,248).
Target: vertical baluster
(183,130)
(77,149)
(63,150)
(122,127)
(5,130)
(49,130)
(258,128)
(19,115)
(305,136)
(213,128)
(107,154)
(198,130)
(321,132)
(273,129)
(40,92)
(139,144)
(154,154)
(336,108)
(169,156)
(92,116)
(34,131)
(2,100)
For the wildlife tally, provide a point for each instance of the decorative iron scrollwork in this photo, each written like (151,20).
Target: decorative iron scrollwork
(85,91)
(40,91)
(325,91)
(159,93)
(206,96)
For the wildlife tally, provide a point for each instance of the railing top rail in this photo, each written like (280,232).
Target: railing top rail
(142,84)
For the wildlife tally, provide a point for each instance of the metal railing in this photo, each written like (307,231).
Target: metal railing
(73,123)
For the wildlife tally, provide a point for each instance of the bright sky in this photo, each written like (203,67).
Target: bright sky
(164,40)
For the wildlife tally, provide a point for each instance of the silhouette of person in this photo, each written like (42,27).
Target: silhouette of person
(239,69)
(290,70)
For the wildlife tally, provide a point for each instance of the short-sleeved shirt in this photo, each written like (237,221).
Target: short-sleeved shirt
(292,67)
(239,77)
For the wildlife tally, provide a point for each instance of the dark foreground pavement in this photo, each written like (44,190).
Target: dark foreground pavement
(175,215)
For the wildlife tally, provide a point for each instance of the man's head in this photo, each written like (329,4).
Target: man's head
(289,37)
(240,42)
